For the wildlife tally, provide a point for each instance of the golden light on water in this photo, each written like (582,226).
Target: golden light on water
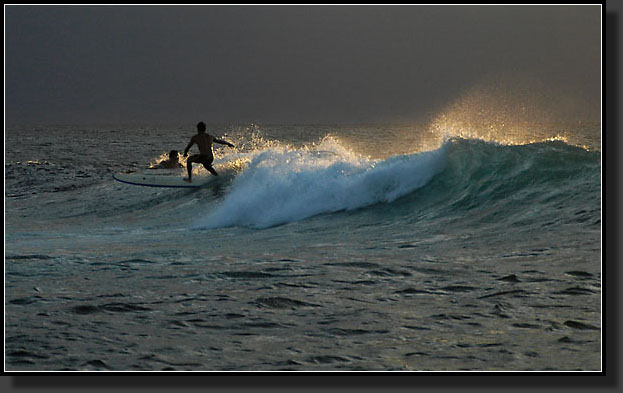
(502,133)
(512,110)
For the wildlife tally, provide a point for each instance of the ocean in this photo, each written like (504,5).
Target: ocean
(319,248)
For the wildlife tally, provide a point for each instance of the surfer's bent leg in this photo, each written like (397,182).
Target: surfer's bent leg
(207,164)
(211,170)
(189,168)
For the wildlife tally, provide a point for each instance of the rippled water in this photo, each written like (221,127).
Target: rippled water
(318,254)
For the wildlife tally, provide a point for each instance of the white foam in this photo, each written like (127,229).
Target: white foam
(283,184)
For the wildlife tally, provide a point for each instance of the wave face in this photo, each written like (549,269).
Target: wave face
(282,185)
(547,183)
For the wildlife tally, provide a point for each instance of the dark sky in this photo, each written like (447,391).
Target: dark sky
(297,64)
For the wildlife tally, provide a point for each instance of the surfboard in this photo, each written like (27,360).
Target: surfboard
(162,180)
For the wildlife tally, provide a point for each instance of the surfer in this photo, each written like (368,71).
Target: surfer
(204,143)
(171,163)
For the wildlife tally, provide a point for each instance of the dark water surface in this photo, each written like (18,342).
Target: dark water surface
(321,248)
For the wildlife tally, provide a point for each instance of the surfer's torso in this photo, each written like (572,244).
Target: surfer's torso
(204,143)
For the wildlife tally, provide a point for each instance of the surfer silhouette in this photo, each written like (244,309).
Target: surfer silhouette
(204,142)
(171,163)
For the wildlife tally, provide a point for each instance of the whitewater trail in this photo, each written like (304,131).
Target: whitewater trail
(285,184)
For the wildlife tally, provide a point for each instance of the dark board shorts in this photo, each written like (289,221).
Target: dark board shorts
(202,159)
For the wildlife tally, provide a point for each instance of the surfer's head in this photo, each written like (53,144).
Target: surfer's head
(173,155)
(201,126)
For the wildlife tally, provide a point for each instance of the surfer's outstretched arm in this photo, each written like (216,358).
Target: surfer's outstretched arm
(222,142)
